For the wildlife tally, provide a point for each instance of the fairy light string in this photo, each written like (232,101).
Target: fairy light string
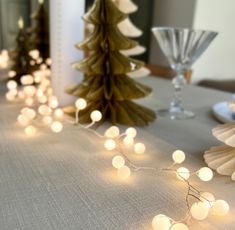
(42,110)
(205,202)
(41,106)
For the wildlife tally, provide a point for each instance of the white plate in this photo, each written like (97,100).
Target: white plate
(222,112)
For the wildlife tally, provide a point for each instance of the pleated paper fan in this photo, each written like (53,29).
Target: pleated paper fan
(129,29)
(221,159)
(143,72)
(126,6)
(134,51)
(225,133)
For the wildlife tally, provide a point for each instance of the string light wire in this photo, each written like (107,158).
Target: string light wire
(51,115)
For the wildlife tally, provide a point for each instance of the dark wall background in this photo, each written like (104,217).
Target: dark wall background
(11,10)
(143,20)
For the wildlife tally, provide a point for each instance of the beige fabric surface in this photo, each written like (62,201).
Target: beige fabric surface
(65,181)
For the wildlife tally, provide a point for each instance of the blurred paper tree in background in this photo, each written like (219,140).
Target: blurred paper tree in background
(39,32)
(21,59)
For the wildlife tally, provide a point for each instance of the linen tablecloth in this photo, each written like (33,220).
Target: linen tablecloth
(66,181)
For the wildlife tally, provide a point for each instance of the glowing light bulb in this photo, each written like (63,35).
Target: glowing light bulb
(21,95)
(49,61)
(39,60)
(112,132)
(124,172)
(96,116)
(34,54)
(53,102)
(45,82)
(11,74)
(161,222)
(220,208)
(49,91)
(3,63)
(14,91)
(43,88)
(118,162)
(199,211)
(128,141)
(24,110)
(5,53)
(81,104)
(56,127)
(30,91)
(183,173)
(23,120)
(131,132)
(37,76)
(32,63)
(43,67)
(30,131)
(44,110)
(47,120)
(47,72)
(39,93)
(205,174)
(59,113)
(10,96)
(11,85)
(179,226)
(110,144)
(27,80)
(29,101)
(139,148)
(29,113)
(37,79)
(178,156)
(208,199)
(42,99)
(21,23)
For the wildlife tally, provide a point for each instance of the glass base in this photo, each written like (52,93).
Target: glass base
(179,115)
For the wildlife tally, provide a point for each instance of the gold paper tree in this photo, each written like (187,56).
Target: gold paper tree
(106,86)
(39,32)
(21,58)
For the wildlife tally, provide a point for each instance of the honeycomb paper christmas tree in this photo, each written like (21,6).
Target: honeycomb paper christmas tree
(39,39)
(21,58)
(106,86)
(131,31)
(222,158)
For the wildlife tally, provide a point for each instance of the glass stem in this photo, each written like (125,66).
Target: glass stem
(178,82)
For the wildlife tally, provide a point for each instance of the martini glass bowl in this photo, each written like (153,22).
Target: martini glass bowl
(182,47)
